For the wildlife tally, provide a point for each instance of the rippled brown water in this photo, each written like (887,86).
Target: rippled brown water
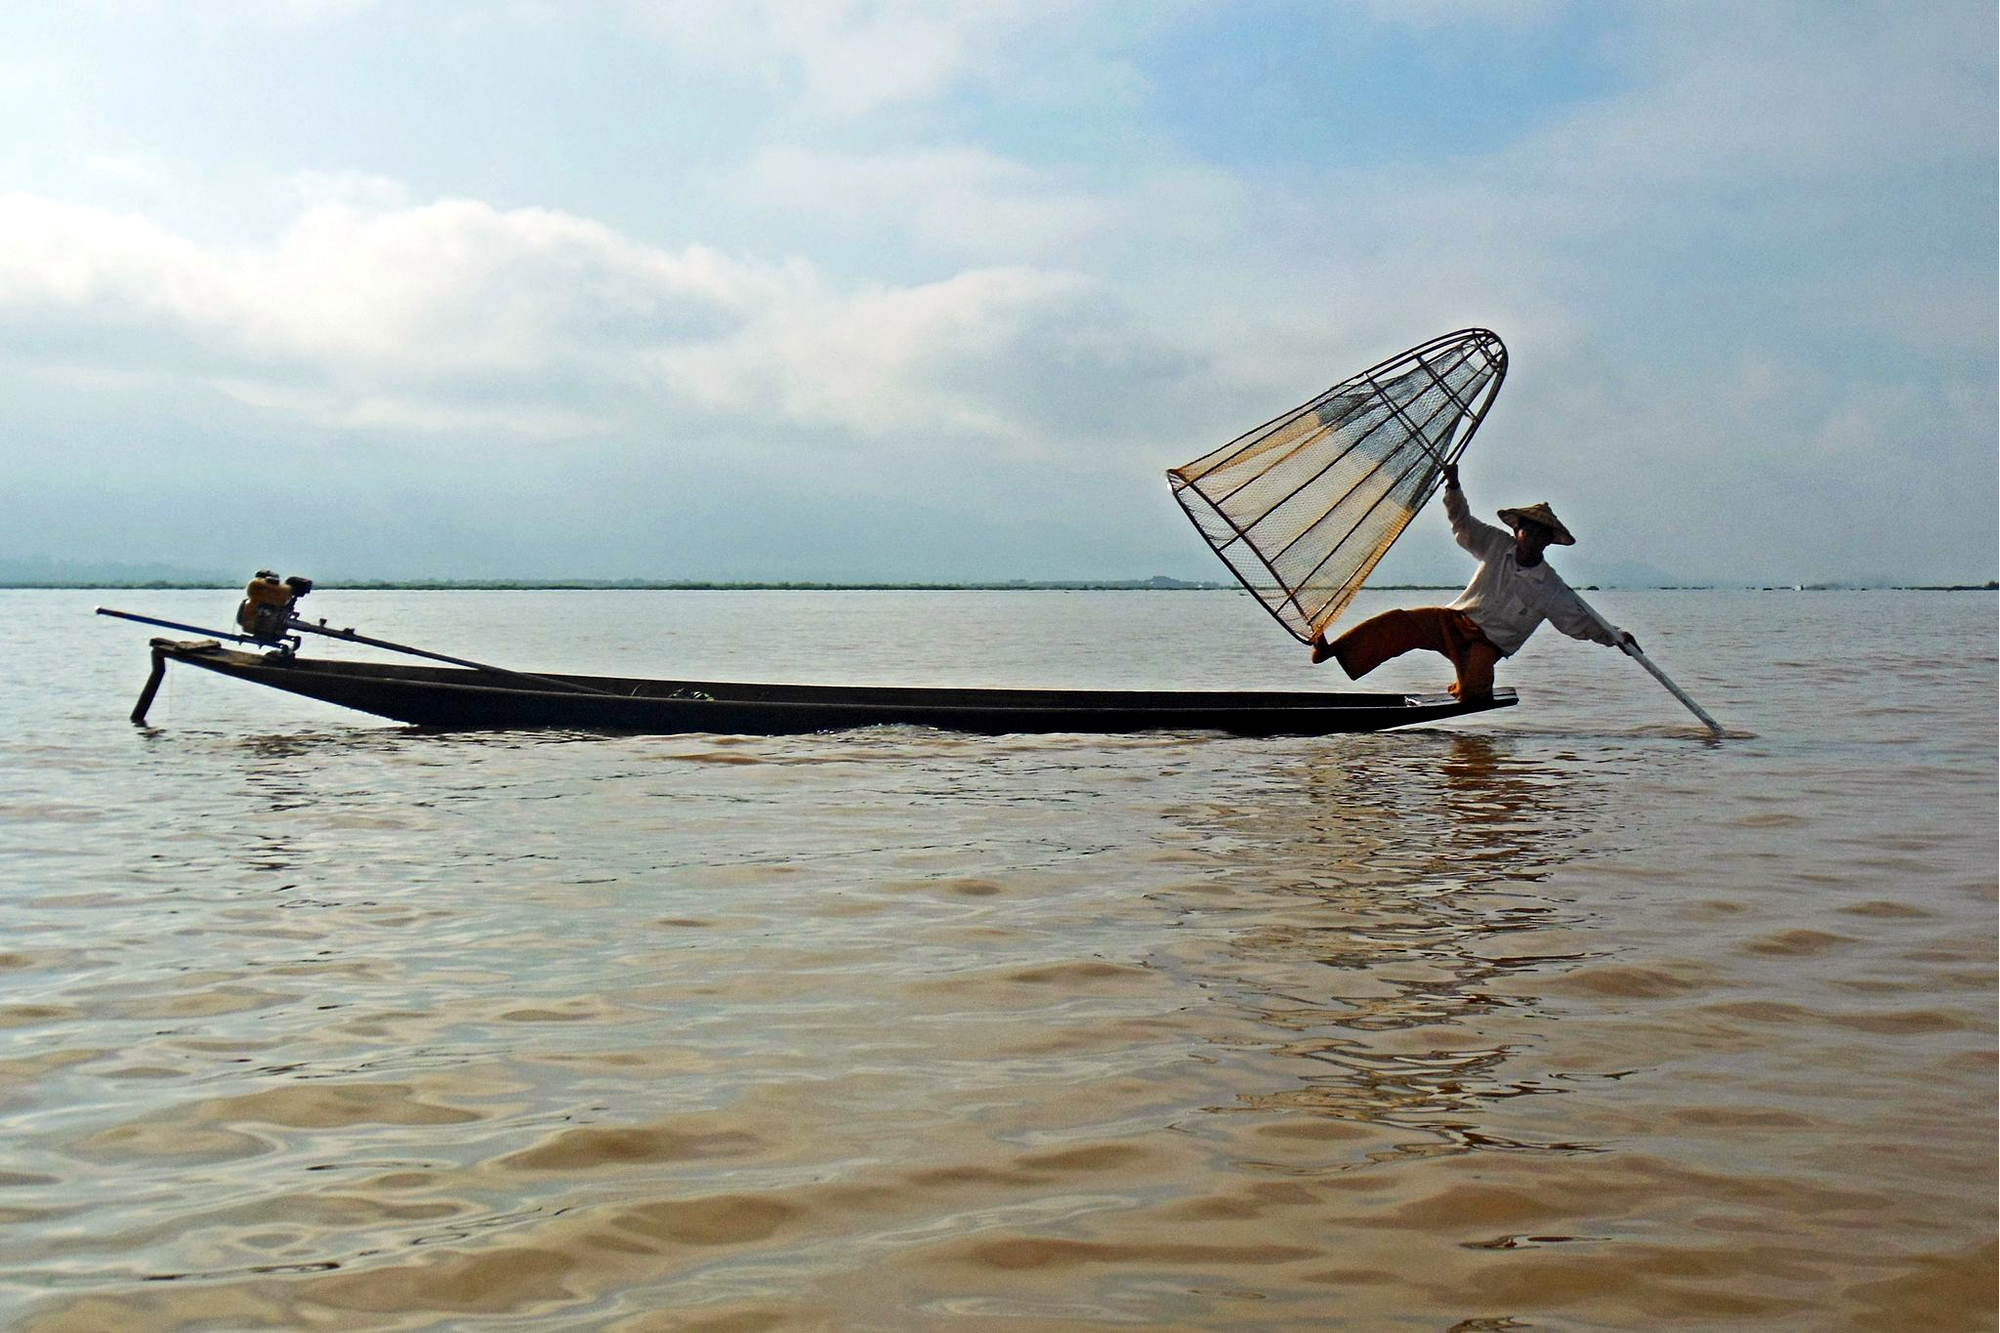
(1559,1019)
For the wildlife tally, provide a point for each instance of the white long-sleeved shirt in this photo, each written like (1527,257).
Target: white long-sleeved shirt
(1506,601)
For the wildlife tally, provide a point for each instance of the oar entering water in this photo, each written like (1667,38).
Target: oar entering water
(1633,651)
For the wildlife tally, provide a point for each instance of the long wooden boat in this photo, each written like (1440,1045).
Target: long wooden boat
(455,698)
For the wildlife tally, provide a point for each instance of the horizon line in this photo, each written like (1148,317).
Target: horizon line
(1158,583)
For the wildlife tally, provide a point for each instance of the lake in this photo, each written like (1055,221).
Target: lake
(1556,1017)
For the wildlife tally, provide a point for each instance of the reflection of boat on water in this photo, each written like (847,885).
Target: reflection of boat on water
(1372,896)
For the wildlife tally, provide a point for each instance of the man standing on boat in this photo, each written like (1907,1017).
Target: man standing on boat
(1513,592)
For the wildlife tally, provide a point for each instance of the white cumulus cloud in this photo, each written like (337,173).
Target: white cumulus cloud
(367,310)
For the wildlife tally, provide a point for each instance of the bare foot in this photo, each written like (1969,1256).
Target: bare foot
(1321,650)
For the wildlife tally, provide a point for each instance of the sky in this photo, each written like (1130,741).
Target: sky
(887,290)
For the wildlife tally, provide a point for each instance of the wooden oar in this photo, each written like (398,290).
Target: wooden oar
(175,624)
(304,627)
(1633,651)
(350,636)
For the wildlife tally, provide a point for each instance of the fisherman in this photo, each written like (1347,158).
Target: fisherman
(1513,592)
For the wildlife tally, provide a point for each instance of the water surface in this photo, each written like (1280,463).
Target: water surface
(1560,1017)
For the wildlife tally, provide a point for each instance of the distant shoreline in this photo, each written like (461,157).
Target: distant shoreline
(1011,585)
(666,585)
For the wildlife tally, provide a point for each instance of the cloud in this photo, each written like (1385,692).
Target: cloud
(846,59)
(371,311)
(1431,15)
(1757,173)
(1743,257)
(970,202)
(354,304)
(274,13)
(1023,360)
(829,357)
(958,200)
(143,171)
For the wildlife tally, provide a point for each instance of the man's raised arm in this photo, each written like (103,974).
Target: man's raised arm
(1480,539)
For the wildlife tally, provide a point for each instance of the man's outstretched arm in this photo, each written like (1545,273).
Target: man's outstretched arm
(1569,613)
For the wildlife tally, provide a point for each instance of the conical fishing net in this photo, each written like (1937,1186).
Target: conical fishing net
(1302,508)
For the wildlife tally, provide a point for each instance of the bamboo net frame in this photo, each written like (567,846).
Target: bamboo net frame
(1305,506)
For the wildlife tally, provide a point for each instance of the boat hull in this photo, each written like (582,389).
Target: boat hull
(456,699)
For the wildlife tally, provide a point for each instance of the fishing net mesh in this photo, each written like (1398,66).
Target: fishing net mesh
(1304,507)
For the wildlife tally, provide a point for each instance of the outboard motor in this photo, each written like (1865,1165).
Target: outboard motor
(268,603)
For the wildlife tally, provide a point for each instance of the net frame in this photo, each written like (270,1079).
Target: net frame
(1438,362)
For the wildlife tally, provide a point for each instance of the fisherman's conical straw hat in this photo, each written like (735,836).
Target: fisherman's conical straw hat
(1542,514)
